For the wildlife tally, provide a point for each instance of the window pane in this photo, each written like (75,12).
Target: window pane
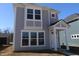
(41,35)
(33,41)
(37,17)
(30,11)
(41,41)
(25,35)
(77,35)
(33,35)
(37,11)
(53,15)
(29,16)
(25,42)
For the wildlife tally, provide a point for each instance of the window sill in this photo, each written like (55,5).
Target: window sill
(32,27)
(34,46)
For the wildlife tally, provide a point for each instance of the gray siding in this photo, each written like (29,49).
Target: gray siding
(45,26)
(53,20)
(19,26)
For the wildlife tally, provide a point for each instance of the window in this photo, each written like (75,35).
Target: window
(75,36)
(37,14)
(25,38)
(35,38)
(41,38)
(29,13)
(52,15)
(72,36)
(37,11)
(33,19)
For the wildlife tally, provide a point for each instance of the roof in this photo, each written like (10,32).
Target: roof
(57,22)
(54,23)
(72,18)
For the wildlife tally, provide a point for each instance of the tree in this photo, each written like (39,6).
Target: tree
(6,31)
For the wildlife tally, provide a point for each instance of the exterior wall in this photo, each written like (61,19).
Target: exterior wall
(73,29)
(19,25)
(45,26)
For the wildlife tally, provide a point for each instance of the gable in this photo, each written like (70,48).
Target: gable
(61,23)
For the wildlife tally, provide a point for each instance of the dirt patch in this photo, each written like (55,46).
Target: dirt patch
(9,52)
(3,47)
(6,51)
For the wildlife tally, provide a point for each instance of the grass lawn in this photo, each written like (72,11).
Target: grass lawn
(7,51)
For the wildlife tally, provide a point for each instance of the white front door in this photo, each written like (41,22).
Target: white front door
(51,36)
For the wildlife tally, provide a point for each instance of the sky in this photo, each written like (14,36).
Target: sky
(7,12)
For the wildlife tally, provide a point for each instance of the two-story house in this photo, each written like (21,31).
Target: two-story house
(36,27)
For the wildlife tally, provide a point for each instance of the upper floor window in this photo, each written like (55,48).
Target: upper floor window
(33,14)
(37,14)
(33,18)
(29,13)
(52,15)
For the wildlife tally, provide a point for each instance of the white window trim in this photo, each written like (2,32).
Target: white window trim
(30,37)
(25,19)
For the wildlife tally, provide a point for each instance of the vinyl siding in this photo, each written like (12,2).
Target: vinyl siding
(45,26)
(20,26)
(73,29)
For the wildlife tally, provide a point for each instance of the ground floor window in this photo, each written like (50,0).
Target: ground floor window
(41,38)
(25,38)
(33,38)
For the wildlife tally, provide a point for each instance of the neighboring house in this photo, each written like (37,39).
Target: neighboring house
(72,32)
(36,27)
(4,39)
